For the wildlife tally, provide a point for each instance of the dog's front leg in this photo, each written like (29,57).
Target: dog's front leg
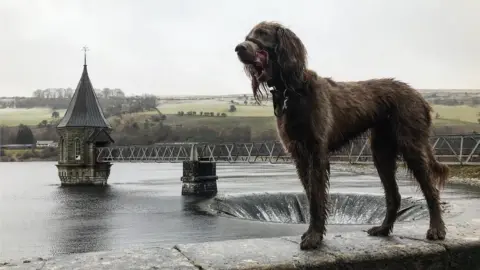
(300,155)
(318,188)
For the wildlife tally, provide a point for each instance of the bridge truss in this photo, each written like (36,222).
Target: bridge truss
(452,149)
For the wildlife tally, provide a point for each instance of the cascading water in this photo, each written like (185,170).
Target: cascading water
(293,208)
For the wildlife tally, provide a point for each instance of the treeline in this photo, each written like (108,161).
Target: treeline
(24,134)
(48,153)
(111,105)
(155,129)
(151,130)
(59,93)
(140,135)
(56,98)
(232,108)
(453,99)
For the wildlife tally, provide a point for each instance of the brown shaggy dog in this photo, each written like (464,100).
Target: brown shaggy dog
(317,115)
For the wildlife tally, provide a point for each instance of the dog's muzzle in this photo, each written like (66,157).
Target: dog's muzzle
(241,47)
(245,52)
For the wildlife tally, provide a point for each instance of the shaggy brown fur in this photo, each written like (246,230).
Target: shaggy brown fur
(317,115)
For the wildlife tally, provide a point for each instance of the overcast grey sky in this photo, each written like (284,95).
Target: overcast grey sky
(186,47)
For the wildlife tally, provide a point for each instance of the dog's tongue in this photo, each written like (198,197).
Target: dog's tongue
(261,57)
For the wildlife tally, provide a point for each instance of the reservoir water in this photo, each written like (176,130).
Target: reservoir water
(142,207)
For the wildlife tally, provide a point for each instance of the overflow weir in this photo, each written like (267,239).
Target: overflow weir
(344,208)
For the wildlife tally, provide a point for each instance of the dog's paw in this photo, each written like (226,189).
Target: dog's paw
(311,240)
(436,234)
(379,231)
(305,233)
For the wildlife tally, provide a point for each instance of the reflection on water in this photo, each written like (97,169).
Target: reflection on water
(142,207)
(83,216)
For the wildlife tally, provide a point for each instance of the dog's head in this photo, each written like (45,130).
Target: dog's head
(273,56)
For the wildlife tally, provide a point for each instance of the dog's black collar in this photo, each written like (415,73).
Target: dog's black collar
(285,100)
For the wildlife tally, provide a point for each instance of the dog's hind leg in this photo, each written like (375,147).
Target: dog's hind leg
(384,150)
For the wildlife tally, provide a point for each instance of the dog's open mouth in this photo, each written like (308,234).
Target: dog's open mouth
(260,64)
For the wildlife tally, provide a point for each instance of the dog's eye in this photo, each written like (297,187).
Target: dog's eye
(261,32)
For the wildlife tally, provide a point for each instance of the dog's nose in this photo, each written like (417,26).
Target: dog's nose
(240,47)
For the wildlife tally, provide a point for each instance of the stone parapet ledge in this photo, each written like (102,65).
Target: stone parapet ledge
(406,249)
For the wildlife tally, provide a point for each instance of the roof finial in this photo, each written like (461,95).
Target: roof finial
(85,49)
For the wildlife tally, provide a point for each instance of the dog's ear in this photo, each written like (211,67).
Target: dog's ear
(291,54)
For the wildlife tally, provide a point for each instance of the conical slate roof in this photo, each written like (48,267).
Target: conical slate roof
(84,109)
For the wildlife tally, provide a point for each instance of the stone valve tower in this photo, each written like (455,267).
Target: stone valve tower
(81,131)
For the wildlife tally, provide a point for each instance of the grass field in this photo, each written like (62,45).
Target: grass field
(258,124)
(17,152)
(461,113)
(449,115)
(14,117)
(217,106)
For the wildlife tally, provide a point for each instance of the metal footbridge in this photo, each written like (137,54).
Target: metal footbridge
(449,149)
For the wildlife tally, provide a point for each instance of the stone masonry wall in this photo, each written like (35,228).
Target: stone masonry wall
(69,136)
(405,249)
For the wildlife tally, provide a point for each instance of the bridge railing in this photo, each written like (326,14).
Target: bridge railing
(165,152)
(455,149)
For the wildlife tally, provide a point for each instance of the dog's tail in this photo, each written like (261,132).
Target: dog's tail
(440,171)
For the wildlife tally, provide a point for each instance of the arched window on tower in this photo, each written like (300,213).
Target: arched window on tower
(60,144)
(78,152)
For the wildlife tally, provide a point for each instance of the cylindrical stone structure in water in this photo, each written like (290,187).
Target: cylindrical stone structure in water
(199,178)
